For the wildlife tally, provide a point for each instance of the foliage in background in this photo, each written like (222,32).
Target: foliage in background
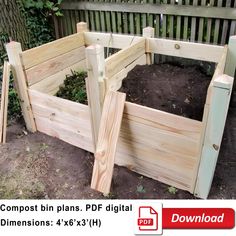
(38,15)
(74,87)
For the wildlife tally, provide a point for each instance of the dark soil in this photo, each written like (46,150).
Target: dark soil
(178,90)
(39,166)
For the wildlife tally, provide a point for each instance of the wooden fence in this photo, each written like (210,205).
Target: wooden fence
(207,21)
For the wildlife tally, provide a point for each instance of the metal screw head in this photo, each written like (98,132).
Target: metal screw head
(177,46)
(216,147)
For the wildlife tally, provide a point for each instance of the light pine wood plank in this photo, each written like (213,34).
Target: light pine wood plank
(57,130)
(13,51)
(151,144)
(4,99)
(54,65)
(187,50)
(6,77)
(55,103)
(51,84)
(118,41)
(38,55)
(107,141)
(218,109)
(123,58)
(114,83)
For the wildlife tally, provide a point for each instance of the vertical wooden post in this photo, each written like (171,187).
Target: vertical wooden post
(13,51)
(231,57)
(95,85)
(148,32)
(219,102)
(82,27)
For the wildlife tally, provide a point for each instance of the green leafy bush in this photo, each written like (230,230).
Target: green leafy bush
(74,87)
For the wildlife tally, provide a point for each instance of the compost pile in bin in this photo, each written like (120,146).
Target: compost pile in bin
(171,88)
(74,87)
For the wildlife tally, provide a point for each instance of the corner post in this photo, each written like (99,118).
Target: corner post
(218,107)
(95,63)
(82,27)
(231,57)
(14,52)
(148,32)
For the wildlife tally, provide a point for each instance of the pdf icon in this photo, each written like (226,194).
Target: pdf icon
(148,219)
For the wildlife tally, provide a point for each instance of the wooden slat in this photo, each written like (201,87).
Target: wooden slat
(186,27)
(209,24)
(138,21)
(164,23)
(217,25)
(201,25)
(51,84)
(187,50)
(193,24)
(54,65)
(72,108)
(114,83)
(119,20)
(171,25)
(35,56)
(57,130)
(178,27)
(13,51)
(218,109)
(178,10)
(233,25)
(151,143)
(107,141)
(4,101)
(6,77)
(225,25)
(123,58)
(110,40)
(231,57)
(144,16)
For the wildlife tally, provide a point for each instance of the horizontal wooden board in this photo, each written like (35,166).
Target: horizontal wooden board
(56,130)
(110,40)
(118,61)
(51,84)
(166,9)
(197,51)
(160,145)
(63,119)
(156,144)
(54,65)
(38,55)
(114,83)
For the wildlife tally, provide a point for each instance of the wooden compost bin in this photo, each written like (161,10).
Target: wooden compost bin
(172,149)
